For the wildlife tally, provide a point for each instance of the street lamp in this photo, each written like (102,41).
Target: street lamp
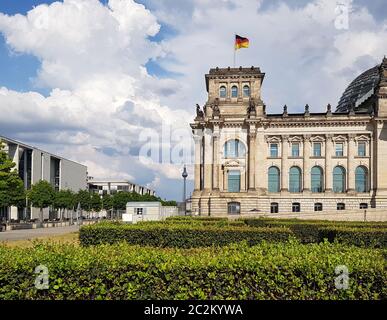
(184,175)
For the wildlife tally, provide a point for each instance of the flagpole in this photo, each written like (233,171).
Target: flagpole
(234,48)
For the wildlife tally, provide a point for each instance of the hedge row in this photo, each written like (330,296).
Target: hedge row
(366,237)
(178,236)
(309,231)
(266,271)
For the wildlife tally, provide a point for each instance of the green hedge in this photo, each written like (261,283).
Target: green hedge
(308,231)
(120,271)
(179,236)
(366,237)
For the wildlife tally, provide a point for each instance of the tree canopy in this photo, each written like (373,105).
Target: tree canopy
(11,186)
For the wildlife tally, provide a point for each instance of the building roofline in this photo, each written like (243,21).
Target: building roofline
(24,145)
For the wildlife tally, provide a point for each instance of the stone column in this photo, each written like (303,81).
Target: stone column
(208,159)
(215,165)
(198,137)
(350,163)
(284,164)
(328,163)
(306,167)
(251,166)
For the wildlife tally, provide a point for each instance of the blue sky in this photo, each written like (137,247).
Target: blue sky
(78,87)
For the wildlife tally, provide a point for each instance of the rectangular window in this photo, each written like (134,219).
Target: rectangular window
(139,211)
(317,149)
(234,181)
(273,150)
(341,206)
(274,207)
(363,206)
(234,208)
(296,207)
(339,150)
(295,149)
(361,149)
(318,207)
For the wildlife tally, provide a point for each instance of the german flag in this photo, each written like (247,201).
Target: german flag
(241,42)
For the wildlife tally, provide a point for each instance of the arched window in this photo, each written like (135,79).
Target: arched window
(317,179)
(361,179)
(222,92)
(234,91)
(234,149)
(295,179)
(339,179)
(274,180)
(246,91)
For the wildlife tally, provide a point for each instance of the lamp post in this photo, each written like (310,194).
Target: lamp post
(184,175)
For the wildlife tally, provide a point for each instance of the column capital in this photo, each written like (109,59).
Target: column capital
(285,138)
(307,137)
(351,136)
(329,137)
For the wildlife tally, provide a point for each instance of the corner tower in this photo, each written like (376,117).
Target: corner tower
(231,91)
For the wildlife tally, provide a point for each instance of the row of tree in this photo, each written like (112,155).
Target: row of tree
(42,195)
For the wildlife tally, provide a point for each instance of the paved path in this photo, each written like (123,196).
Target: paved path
(36,233)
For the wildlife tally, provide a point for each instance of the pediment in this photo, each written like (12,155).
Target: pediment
(340,138)
(317,139)
(362,138)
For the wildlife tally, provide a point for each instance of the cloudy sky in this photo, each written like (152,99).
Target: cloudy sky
(97,81)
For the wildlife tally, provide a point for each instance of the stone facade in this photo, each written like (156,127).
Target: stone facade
(316,161)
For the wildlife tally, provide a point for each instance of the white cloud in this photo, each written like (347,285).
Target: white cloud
(102,98)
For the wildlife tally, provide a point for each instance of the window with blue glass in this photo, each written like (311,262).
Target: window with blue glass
(361,179)
(234,91)
(222,92)
(274,180)
(317,149)
(246,91)
(317,179)
(361,149)
(274,150)
(339,179)
(295,149)
(339,150)
(295,179)
(234,181)
(234,149)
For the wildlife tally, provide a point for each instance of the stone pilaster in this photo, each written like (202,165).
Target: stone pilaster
(328,163)
(216,162)
(208,159)
(285,164)
(251,165)
(306,167)
(351,152)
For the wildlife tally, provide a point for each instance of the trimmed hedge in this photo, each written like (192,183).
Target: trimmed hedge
(308,231)
(178,236)
(365,237)
(120,271)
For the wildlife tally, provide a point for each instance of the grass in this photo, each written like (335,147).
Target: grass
(68,238)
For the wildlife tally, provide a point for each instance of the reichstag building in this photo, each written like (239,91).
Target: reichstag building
(248,160)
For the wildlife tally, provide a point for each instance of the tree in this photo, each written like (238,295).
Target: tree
(83,197)
(107,202)
(96,202)
(41,195)
(12,191)
(64,199)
